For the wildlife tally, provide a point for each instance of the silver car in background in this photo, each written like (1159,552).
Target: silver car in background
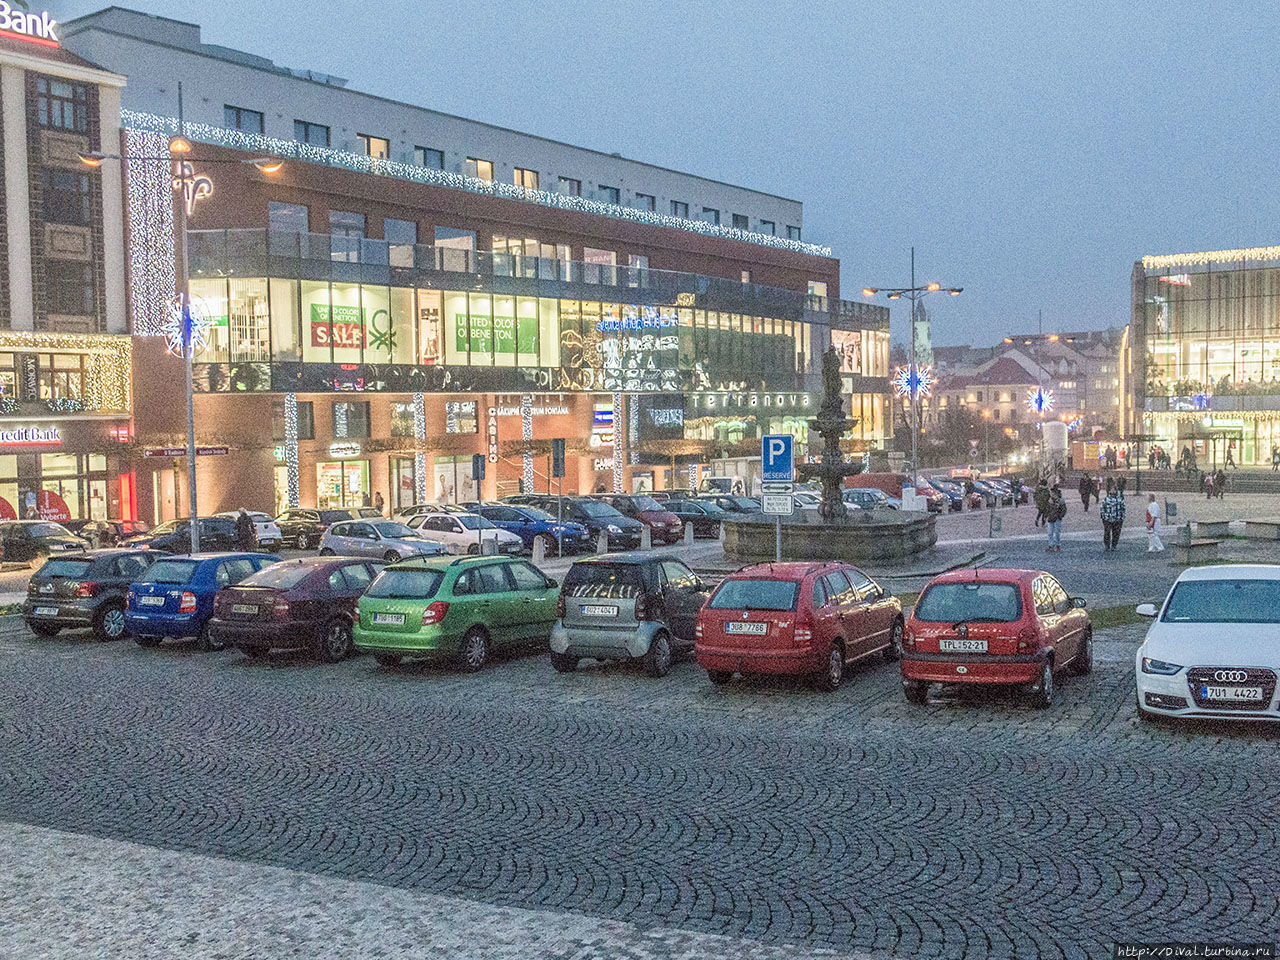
(387,540)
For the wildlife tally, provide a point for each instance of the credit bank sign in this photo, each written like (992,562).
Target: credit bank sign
(36,27)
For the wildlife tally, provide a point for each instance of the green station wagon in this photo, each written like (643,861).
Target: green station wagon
(455,608)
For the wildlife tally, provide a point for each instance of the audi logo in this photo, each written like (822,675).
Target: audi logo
(1231,676)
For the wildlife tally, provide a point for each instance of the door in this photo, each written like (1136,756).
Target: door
(682,597)
(1050,619)
(503,610)
(364,540)
(826,614)
(874,615)
(1071,622)
(537,598)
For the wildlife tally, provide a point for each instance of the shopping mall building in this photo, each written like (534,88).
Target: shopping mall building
(1203,354)
(410,289)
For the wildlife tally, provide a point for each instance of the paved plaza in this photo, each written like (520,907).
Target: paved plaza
(160,803)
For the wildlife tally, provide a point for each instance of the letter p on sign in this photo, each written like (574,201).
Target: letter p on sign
(776,457)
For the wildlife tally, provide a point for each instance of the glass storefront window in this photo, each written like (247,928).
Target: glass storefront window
(284,321)
(549,332)
(526,332)
(316,331)
(347,323)
(248,321)
(402,419)
(430,339)
(210,297)
(403,482)
(376,328)
(504,331)
(481,327)
(342,483)
(456,327)
(400,349)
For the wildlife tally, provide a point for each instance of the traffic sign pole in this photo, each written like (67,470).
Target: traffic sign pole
(777,476)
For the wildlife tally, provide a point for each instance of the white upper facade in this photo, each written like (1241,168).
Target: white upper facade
(224,87)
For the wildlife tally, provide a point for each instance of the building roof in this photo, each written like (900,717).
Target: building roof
(10,43)
(1210,256)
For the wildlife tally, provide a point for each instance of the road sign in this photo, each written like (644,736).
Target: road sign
(777,486)
(777,504)
(477,466)
(557,457)
(182,451)
(777,461)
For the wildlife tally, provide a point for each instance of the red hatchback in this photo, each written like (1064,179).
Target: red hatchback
(995,626)
(796,618)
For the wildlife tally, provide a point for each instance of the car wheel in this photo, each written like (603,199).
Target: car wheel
(108,622)
(392,557)
(327,552)
(335,641)
(563,662)
(894,650)
(1083,664)
(253,652)
(387,659)
(832,674)
(1042,689)
(147,641)
(916,691)
(657,659)
(208,640)
(473,549)
(475,649)
(44,629)
(303,542)
(719,678)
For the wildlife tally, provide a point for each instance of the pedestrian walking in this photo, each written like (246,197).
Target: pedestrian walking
(1042,501)
(1120,484)
(1086,491)
(378,502)
(1054,512)
(246,533)
(1112,512)
(1154,545)
(1231,455)
(1220,483)
(1017,491)
(1275,459)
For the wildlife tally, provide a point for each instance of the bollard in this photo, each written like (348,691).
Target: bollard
(602,542)
(721,533)
(646,538)
(539,550)
(688,532)
(489,547)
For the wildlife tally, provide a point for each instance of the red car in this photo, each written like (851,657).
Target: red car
(664,526)
(796,618)
(995,626)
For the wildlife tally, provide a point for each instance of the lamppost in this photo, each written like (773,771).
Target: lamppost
(986,422)
(191,188)
(915,375)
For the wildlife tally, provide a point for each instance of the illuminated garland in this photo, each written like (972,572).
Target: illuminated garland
(419,456)
(340,419)
(291,445)
(617,444)
(1210,256)
(109,380)
(8,406)
(526,434)
(152,257)
(308,153)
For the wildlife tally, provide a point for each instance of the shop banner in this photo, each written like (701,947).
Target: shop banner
(346,330)
(52,507)
(505,335)
(6,510)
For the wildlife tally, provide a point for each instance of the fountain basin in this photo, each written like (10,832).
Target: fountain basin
(880,534)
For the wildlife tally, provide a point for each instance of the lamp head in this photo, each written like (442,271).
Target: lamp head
(93,159)
(179,145)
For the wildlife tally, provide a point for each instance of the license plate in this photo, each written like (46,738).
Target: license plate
(957,645)
(1230,693)
(599,610)
(759,629)
(244,608)
(391,618)
(46,611)
(151,601)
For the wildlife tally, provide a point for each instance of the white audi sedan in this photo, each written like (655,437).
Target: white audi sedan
(1214,648)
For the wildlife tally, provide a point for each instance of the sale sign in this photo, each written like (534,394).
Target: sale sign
(346,329)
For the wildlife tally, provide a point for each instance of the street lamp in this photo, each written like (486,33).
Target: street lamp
(914,374)
(986,417)
(185,181)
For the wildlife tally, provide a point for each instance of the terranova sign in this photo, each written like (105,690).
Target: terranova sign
(28,26)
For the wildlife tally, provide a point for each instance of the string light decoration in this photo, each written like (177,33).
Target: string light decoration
(420,455)
(617,444)
(526,434)
(309,153)
(152,254)
(1040,400)
(913,381)
(175,328)
(340,419)
(109,380)
(291,445)
(193,187)
(1210,256)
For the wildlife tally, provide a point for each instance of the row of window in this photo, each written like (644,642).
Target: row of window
(351,419)
(317,134)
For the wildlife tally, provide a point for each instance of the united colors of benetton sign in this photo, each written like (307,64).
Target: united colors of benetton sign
(37,27)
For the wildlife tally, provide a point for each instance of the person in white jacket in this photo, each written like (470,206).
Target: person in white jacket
(1154,544)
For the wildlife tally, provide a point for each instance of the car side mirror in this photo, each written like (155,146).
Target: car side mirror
(552,583)
(1145,610)
(1079,603)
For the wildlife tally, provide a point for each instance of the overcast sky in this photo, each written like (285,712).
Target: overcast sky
(1030,155)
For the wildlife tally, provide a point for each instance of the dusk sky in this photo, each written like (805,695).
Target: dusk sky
(1029,155)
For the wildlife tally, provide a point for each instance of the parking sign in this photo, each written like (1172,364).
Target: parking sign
(777,463)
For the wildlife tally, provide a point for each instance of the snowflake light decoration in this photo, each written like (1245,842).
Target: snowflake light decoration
(1040,400)
(174,329)
(1202,401)
(1075,424)
(913,381)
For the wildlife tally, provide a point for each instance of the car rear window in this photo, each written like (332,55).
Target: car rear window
(755,595)
(280,576)
(48,530)
(597,509)
(405,584)
(646,504)
(970,601)
(1224,601)
(71,569)
(620,580)
(171,571)
(334,516)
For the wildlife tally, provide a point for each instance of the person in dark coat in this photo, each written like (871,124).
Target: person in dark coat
(1086,491)
(246,533)
(1041,497)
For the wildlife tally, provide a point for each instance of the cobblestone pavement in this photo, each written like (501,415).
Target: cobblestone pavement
(974,827)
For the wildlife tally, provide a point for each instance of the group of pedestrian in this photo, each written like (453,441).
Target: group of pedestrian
(1158,459)
(1214,484)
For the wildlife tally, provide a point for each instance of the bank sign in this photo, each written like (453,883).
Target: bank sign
(35,27)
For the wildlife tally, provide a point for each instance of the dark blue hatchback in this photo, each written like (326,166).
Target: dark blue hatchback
(529,523)
(175,597)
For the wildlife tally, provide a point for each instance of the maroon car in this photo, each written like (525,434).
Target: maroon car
(664,526)
(306,603)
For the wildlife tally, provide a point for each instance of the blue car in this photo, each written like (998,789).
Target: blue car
(528,523)
(174,598)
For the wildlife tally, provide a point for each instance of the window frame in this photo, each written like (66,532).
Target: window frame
(422,154)
(230,110)
(570,187)
(367,140)
(521,176)
(307,127)
(680,209)
(475,170)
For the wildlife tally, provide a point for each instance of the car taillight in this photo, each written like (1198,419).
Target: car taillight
(434,613)
(644,609)
(86,588)
(908,638)
(188,603)
(280,608)
(1028,639)
(697,630)
(560,606)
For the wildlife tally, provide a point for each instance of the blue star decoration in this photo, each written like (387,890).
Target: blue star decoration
(174,328)
(913,381)
(1040,400)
